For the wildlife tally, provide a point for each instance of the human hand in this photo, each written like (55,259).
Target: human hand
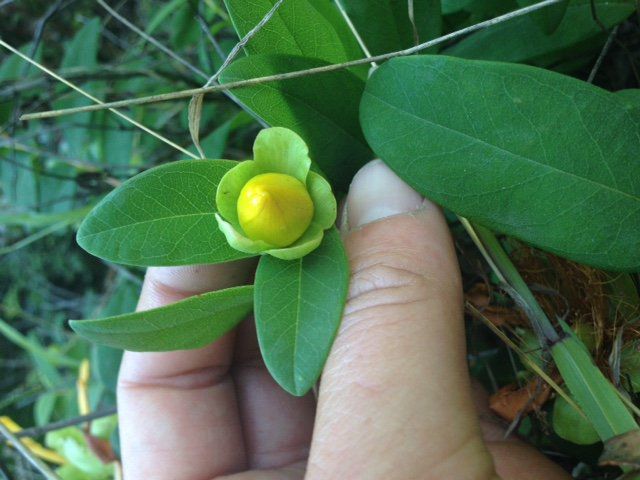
(395,398)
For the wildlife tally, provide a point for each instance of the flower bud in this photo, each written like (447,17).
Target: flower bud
(275,208)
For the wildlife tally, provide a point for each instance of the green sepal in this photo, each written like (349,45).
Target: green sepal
(280,150)
(229,190)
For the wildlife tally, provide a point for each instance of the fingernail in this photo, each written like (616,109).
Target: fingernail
(376,192)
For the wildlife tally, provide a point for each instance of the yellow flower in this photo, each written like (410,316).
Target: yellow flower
(274,204)
(276,208)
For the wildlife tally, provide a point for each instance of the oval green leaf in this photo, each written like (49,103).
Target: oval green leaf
(631,99)
(548,18)
(385,26)
(310,28)
(298,307)
(322,109)
(190,323)
(570,425)
(521,40)
(527,152)
(163,216)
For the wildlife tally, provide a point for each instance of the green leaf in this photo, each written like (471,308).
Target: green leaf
(163,14)
(82,51)
(184,28)
(115,139)
(35,220)
(71,443)
(214,143)
(32,346)
(163,216)
(322,109)
(520,40)
(547,18)
(631,99)
(594,394)
(14,68)
(44,407)
(191,323)
(298,307)
(454,6)
(105,361)
(524,151)
(384,25)
(570,425)
(309,28)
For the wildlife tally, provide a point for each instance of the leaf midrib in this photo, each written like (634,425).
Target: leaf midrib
(297,327)
(496,147)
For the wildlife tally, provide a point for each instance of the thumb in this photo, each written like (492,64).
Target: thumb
(395,397)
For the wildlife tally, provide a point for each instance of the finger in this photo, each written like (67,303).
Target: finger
(395,399)
(178,412)
(276,425)
(513,458)
(291,472)
(516,460)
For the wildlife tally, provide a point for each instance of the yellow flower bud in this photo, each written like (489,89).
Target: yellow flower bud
(275,208)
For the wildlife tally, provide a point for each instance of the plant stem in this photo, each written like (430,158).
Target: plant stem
(593,392)
(42,467)
(513,282)
(37,431)
(296,74)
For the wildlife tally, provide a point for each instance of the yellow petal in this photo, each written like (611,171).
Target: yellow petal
(275,208)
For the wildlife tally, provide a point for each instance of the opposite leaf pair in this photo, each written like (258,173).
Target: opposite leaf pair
(167,216)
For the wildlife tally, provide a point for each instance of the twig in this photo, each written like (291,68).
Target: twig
(38,431)
(95,99)
(40,26)
(34,237)
(512,281)
(525,358)
(412,19)
(205,28)
(79,74)
(241,44)
(28,454)
(195,105)
(603,54)
(623,47)
(295,74)
(175,56)
(355,32)
(152,40)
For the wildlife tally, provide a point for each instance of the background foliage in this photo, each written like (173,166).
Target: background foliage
(52,171)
